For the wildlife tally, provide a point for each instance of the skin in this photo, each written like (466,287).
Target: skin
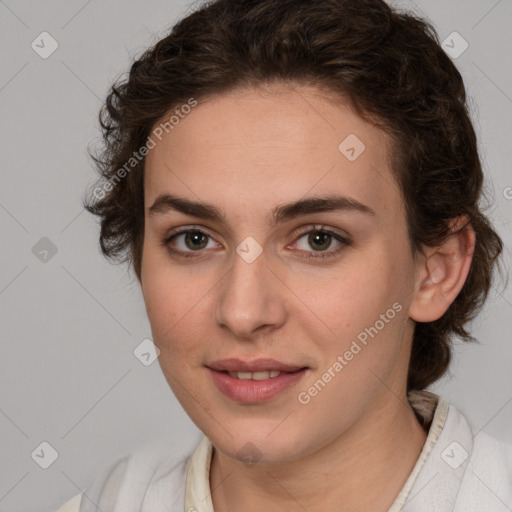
(247,151)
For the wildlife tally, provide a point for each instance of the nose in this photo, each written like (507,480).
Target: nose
(250,299)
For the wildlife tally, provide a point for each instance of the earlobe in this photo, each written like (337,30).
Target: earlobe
(442,273)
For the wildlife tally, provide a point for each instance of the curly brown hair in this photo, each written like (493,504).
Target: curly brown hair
(391,68)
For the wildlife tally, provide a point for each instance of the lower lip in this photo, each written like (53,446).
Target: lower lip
(254,391)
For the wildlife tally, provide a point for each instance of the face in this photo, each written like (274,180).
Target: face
(322,285)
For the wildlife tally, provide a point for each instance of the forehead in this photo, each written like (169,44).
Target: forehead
(260,147)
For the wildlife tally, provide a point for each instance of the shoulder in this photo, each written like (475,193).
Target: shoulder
(72,505)
(486,446)
(142,480)
(463,470)
(485,466)
(488,477)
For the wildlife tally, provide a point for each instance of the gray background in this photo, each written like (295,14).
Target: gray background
(70,324)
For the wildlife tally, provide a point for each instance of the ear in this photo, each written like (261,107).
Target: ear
(442,272)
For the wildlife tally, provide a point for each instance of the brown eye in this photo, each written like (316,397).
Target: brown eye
(195,240)
(317,243)
(188,243)
(319,240)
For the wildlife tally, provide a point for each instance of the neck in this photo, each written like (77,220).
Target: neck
(363,469)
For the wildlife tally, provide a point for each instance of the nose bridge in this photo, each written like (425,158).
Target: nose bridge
(248,299)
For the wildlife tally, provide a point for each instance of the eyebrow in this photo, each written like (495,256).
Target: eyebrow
(281,213)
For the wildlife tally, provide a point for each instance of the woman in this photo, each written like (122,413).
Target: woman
(296,186)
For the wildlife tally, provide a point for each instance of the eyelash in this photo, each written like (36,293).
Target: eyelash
(345,242)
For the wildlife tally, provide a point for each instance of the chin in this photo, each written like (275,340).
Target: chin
(260,447)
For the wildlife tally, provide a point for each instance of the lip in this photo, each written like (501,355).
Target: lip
(258,365)
(254,391)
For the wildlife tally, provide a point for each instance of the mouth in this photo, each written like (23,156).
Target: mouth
(254,382)
(257,366)
(264,375)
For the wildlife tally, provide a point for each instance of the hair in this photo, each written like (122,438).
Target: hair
(391,69)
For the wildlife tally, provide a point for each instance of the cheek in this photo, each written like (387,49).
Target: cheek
(361,309)
(177,303)
(354,295)
(164,294)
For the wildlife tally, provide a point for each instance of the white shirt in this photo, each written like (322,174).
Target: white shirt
(456,471)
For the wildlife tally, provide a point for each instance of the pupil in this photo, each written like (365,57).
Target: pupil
(316,239)
(194,237)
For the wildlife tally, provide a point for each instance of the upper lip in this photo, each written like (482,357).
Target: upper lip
(258,365)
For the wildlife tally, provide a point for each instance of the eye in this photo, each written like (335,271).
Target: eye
(320,239)
(188,241)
